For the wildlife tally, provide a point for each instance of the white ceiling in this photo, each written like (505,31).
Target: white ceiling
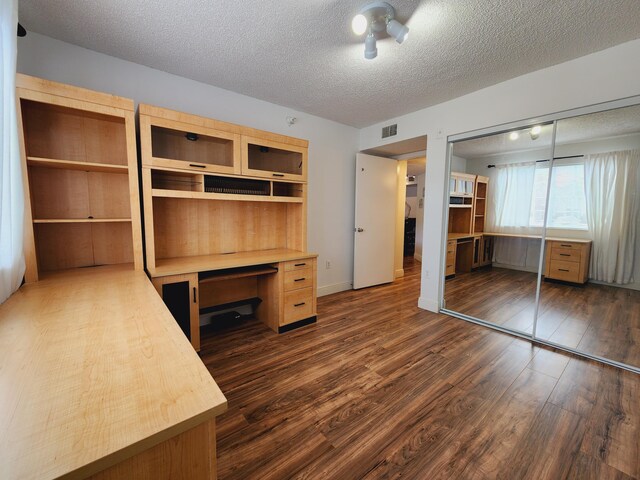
(608,124)
(302,54)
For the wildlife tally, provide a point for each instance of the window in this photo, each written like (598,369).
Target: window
(567,201)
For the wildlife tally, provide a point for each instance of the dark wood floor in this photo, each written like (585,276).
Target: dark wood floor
(381,389)
(597,319)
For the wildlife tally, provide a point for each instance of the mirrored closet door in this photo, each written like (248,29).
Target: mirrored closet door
(543,233)
(496,211)
(590,297)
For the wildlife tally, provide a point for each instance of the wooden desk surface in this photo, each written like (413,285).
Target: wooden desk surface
(203,263)
(554,239)
(94,369)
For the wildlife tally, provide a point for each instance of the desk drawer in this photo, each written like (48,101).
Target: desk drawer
(566,254)
(566,245)
(562,270)
(298,305)
(451,268)
(297,279)
(298,264)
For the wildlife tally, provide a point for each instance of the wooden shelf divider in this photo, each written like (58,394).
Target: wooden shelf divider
(82,220)
(73,165)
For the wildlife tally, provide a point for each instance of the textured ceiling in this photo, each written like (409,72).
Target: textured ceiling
(302,54)
(608,124)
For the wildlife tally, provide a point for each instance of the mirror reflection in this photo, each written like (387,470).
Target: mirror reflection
(590,299)
(498,188)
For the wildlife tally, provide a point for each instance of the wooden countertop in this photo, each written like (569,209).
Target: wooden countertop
(553,239)
(458,236)
(93,370)
(203,263)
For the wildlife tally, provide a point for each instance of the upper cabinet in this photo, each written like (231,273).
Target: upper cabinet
(181,145)
(461,184)
(181,141)
(269,159)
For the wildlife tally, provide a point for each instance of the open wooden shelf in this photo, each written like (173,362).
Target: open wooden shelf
(81,220)
(81,182)
(176,266)
(460,206)
(74,165)
(223,196)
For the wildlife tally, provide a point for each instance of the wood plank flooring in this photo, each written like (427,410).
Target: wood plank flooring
(381,389)
(597,319)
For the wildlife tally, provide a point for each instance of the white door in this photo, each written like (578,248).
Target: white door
(375,218)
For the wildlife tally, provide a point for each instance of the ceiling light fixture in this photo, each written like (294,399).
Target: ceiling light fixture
(378,17)
(514,136)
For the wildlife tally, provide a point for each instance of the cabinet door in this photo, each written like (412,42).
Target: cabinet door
(264,158)
(180,295)
(188,147)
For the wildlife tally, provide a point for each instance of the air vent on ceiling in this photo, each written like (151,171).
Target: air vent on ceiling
(390,130)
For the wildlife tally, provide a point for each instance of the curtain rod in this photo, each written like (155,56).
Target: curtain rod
(546,160)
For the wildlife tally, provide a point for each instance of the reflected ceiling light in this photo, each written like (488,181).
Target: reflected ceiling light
(377,18)
(514,136)
(535,132)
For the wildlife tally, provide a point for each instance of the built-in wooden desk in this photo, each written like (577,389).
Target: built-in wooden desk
(566,259)
(97,381)
(202,263)
(283,286)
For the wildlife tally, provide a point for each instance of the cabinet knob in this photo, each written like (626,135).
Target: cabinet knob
(359,230)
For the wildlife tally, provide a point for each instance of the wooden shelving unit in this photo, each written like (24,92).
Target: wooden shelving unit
(461,205)
(222,196)
(467,247)
(81,182)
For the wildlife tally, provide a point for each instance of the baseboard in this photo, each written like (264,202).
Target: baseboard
(335,288)
(418,257)
(399,273)
(429,304)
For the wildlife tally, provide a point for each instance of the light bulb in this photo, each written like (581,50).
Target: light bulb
(536,130)
(514,136)
(359,24)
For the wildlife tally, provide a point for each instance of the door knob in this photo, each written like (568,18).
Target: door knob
(359,230)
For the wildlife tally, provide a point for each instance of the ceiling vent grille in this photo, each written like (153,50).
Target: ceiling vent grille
(390,130)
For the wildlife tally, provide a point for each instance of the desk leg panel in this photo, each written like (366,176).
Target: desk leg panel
(188,456)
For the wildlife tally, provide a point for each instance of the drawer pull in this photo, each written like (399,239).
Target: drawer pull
(563,270)
(299,279)
(299,264)
(299,304)
(565,255)
(278,174)
(565,245)
(197,166)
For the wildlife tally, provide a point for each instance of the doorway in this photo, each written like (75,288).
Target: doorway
(406,165)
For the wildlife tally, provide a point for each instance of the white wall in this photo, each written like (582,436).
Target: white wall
(458,164)
(332,146)
(599,77)
(419,218)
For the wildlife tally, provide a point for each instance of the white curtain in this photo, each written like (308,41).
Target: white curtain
(612,187)
(510,194)
(11,188)
(509,211)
